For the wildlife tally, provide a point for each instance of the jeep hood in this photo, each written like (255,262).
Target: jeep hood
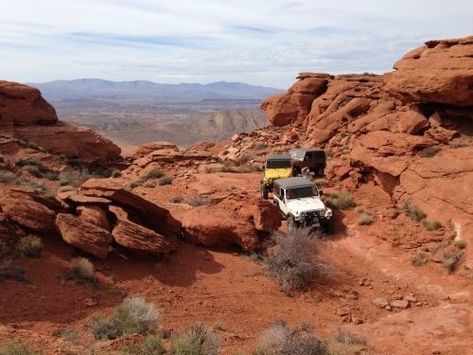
(305,204)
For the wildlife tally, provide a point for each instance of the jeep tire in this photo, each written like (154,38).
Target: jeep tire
(264,192)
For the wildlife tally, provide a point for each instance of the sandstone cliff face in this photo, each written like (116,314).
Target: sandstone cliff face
(25,115)
(409,130)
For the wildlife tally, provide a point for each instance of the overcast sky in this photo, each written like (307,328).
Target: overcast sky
(256,41)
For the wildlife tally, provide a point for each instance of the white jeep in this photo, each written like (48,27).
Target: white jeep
(300,203)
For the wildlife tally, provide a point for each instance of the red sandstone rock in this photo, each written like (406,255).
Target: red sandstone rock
(135,237)
(83,235)
(438,72)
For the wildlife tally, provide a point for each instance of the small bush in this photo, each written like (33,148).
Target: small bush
(133,315)
(428,152)
(431,225)
(8,271)
(30,246)
(460,244)
(149,184)
(419,259)
(151,345)
(198,340)
(74,177)
(154,173)
(165,180)
(8,178)
(320,182)
(33,170)
(365,219)
(65,188)
(115,173)
(291,263)
(67,334)
(341,200)
(345,337)
(82,270)
(199,201)
(176,199)
(412,211)
(281,340)
(451,262)
(135,184)
(16,349)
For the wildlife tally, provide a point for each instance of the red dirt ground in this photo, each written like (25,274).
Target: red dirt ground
(228,288)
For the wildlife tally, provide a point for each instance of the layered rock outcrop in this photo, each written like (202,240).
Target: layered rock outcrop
(102,211)
(27,116)
(409,130)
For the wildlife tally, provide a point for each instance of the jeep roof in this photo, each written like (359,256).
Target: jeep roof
(294,182)
(284,156)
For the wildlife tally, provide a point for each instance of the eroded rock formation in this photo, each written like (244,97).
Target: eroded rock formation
(27,116)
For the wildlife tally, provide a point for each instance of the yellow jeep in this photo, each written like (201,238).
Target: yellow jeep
(277,166)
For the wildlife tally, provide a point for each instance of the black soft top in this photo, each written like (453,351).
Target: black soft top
(294,182)
(284,156)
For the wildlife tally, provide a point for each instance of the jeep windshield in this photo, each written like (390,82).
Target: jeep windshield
(278,164)
(301,192)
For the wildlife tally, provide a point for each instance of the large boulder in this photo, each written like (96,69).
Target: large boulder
(71,141)
(294,105)
(95,215)
(84,235)
(23,105)
(232,221)
(438,72)
(26,212)
(150,215)
(26,115)
(134,236)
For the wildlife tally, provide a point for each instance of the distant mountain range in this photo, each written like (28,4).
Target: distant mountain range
(148,92)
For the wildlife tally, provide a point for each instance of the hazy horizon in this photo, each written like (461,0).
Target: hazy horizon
(260,43)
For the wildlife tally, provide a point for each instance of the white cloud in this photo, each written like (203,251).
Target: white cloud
(265,42)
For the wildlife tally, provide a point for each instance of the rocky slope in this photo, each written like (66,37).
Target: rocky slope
(409,130)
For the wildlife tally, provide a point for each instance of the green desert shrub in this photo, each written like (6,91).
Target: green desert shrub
(176,199)
(419,259)
(154,173)
(431,225)
(16,348)
(82,270)
(9,271)
(30,246)
(344,336)
(199,201)
(74,177)
(341,200)
(133,315)
(411,211)
(165,180)
(459,243)
(279,339)
(65,188)
(150,345)
(428,152)
(365,219)
(321,182)
(451,262)
(115,173)
(198,340)
(292,262)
